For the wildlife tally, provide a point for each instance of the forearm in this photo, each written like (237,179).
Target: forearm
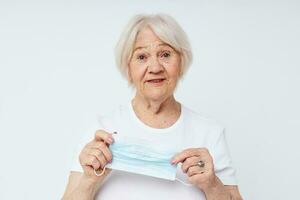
(85,190)
(217,191)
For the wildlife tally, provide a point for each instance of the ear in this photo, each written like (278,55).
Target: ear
(129,77)
(180,67)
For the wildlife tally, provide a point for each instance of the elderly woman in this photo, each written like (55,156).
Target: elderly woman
(153,147)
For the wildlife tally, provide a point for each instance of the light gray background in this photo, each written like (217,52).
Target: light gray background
(57,72)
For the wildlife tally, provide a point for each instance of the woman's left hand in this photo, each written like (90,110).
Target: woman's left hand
(197,163)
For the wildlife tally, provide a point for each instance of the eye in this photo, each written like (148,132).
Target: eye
(141,57)
(165,54)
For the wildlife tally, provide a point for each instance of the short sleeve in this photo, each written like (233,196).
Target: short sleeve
(223,165)
(86,137)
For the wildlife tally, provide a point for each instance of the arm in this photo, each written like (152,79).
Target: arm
(203,176)
(218,191)
(234,192)
(80,187)
(221,152)
(95,155)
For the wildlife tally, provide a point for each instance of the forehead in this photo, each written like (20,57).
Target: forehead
(146,38)
(146,35)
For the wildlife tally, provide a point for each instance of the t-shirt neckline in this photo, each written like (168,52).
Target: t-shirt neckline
(152,129)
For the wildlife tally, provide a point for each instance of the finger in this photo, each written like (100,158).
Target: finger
(107,153)
(101,135)
(195,170)
(189,162)
(100,157)
(103,148)
(90,160)
(197,178)
(189,153)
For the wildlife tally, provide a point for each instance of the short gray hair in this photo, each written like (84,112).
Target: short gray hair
(165,27)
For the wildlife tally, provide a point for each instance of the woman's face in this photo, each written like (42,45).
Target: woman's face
(154,68)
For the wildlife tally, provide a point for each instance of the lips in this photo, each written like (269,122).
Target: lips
(156,80)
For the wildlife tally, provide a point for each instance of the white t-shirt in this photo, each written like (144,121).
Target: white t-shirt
(191,130)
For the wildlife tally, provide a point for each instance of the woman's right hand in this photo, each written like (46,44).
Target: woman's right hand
(96,154)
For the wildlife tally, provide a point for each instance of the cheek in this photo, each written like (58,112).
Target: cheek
(174,72)
(173,68)
(137,73)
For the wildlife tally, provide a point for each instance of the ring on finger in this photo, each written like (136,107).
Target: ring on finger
(201,164)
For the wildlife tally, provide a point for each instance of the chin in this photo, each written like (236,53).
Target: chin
(156,96)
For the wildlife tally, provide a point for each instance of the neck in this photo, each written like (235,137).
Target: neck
(155,107)
(157,114)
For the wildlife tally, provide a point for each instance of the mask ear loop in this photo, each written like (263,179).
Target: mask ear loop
(103,170)
(184,183)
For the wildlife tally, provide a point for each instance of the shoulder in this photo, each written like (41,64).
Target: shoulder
(202,127)
(200,119)
(109,120)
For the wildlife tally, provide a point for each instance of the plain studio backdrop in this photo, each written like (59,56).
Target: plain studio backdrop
(57,73)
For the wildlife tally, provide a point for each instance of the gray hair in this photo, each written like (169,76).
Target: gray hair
(165,27)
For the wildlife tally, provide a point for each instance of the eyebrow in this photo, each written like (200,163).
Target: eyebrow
(161,44)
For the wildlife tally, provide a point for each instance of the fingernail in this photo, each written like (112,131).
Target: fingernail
(110,140)
(111,136)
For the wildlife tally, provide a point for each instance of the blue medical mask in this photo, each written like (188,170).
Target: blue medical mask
(141,157)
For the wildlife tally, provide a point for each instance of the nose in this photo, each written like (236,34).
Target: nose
(155,66)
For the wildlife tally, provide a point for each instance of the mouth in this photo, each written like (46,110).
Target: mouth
(157,81)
